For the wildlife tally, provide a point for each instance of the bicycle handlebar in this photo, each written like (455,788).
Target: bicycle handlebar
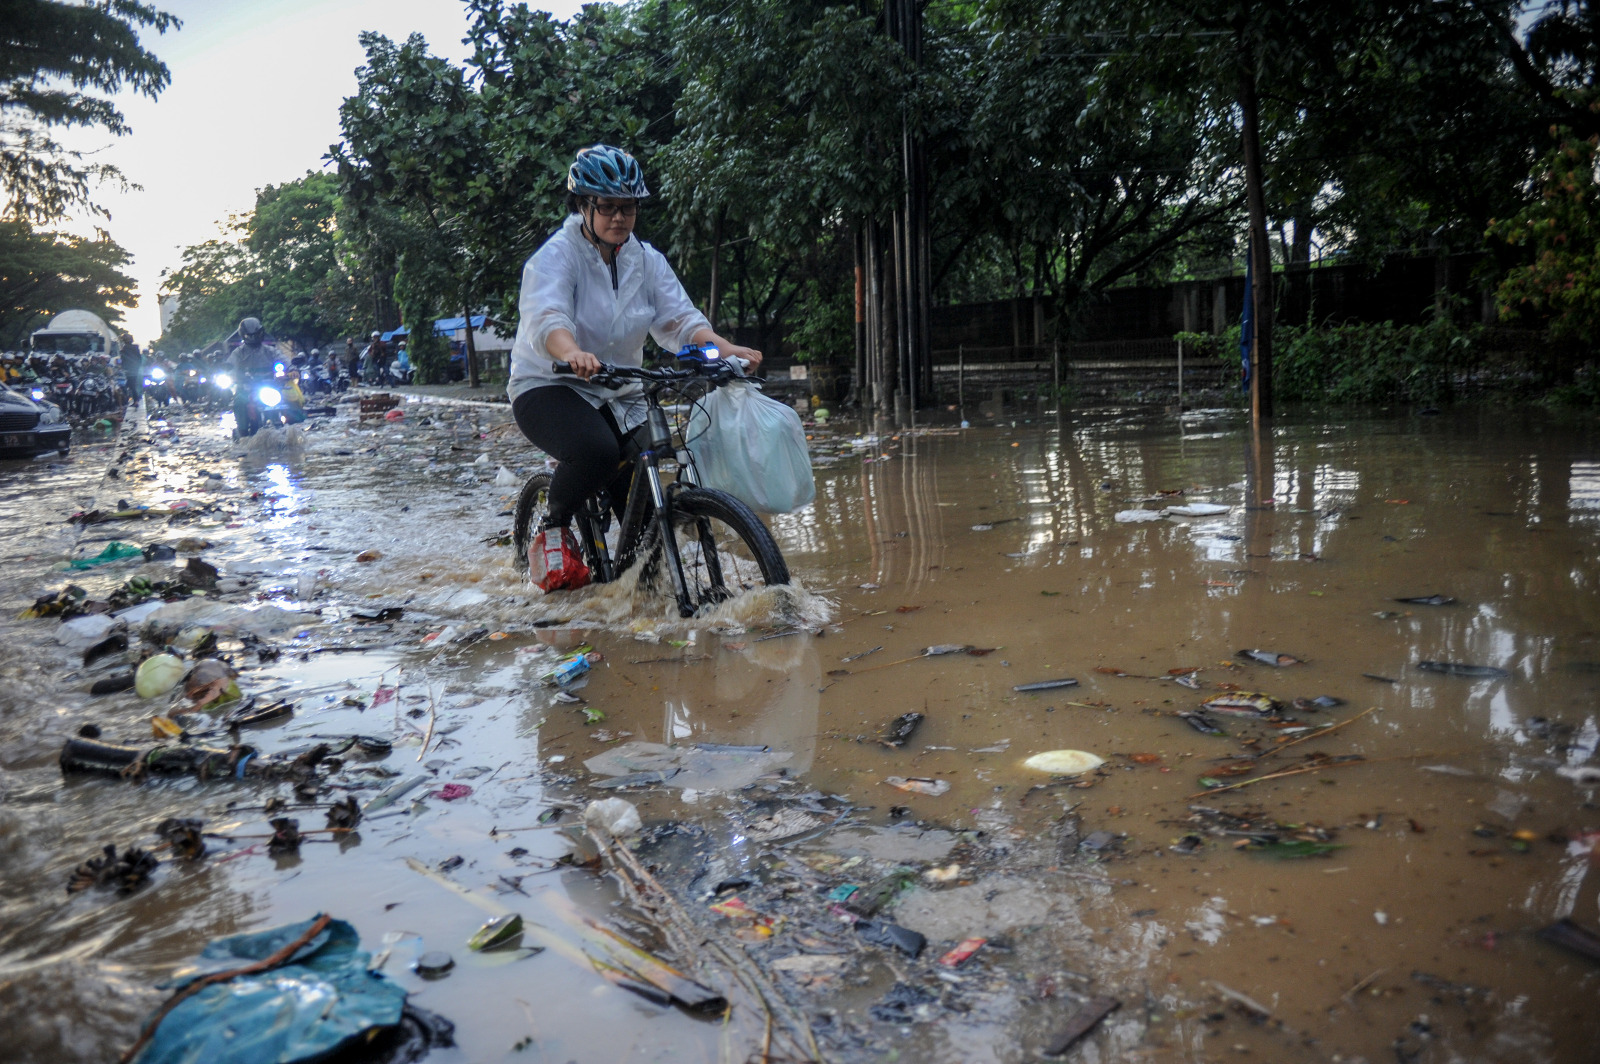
(609,376)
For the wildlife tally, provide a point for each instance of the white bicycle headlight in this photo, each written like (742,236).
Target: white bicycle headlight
(224,381)
(712,352)
(269,396)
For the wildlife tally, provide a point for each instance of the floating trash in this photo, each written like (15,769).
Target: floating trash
(1064,762)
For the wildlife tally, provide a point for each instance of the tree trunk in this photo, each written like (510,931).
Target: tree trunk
(472,349)
(1260,250)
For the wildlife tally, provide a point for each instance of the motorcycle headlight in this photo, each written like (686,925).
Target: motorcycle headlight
(158,374)
(269,396)
(224,381)
(278,369)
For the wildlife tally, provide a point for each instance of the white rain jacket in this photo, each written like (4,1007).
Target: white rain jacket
(567,285)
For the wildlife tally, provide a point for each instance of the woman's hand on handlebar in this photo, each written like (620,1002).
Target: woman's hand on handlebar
(751,356)
(583,364)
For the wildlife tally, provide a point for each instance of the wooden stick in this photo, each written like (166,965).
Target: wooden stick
(428,737)
(1311,768)
(1315,735)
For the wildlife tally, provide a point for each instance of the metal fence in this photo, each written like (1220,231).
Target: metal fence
(1100,370)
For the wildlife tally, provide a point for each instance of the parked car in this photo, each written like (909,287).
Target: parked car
(30,425)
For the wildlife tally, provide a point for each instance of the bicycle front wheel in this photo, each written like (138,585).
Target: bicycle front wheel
(532,505)
(724,547)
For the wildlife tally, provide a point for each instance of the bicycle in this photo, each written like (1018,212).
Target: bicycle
(714,547)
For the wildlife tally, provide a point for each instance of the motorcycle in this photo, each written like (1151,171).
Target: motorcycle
(263,402)
(157,388)
(399,374)
(191,383)
(314,380)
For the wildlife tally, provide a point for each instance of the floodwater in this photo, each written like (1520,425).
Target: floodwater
(1456,833)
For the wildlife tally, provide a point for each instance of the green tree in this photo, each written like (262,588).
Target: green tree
(60,62)
(1560,287)
(213,290)
(42,274)
(290,238)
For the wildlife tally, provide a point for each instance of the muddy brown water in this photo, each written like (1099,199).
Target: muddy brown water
(1002,536)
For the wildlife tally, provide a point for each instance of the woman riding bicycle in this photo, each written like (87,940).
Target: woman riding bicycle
(591,293)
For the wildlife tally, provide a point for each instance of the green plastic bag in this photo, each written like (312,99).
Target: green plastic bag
(115,551)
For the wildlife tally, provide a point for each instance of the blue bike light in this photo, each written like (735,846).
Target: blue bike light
(38,393)
(269,395)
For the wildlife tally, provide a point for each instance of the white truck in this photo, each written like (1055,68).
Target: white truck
(76,332)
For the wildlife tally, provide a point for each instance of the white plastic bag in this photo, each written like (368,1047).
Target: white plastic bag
(752,447)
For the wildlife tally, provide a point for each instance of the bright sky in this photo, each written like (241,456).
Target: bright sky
(254,101)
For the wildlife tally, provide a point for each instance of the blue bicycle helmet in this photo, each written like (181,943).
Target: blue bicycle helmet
(606,171)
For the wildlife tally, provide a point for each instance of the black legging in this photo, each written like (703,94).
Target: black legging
(585,440)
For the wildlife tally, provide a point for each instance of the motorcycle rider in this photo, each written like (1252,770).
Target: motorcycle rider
(402,364)
(374,359)
(253,361)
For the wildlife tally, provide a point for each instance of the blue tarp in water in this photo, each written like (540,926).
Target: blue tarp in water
(298,1011)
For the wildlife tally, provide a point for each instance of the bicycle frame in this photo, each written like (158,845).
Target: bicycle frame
(648,509)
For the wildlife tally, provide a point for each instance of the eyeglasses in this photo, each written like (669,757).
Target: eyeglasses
(613,210)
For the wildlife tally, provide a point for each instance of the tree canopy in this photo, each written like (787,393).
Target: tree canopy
(44,273)
(60,63)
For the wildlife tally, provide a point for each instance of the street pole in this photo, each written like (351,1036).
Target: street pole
(1260,250)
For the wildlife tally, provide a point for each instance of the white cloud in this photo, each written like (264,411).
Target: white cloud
(254,100)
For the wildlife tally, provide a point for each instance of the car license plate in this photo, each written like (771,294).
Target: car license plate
(16,441)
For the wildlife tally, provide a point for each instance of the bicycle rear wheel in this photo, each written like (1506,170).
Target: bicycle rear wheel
(724,547)
(532,504)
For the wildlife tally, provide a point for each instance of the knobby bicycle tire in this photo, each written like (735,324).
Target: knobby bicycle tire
(531,505)
(694,510)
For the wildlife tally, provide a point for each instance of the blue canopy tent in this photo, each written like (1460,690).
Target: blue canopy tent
(441,327)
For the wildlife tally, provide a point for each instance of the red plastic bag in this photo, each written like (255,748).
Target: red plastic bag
(555,563)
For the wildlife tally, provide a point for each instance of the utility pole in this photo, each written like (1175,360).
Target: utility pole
(1260,251)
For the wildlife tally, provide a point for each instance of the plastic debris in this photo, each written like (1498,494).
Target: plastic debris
(505,478)
(286,836)
(1271,657)
(450,792)
(1131,517)
(1428,600)
(1250,703)
(1197,509)
(1064,762)
(900,729)
(616,817)
(497,933)
(393,793)
(115,551)
(158,674)
(183,835)
(294,993)
(882,933)
(1045,685)
(1582,775)
(941,649)
(918,784)
(369,555)
(85,631)
(963,952)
